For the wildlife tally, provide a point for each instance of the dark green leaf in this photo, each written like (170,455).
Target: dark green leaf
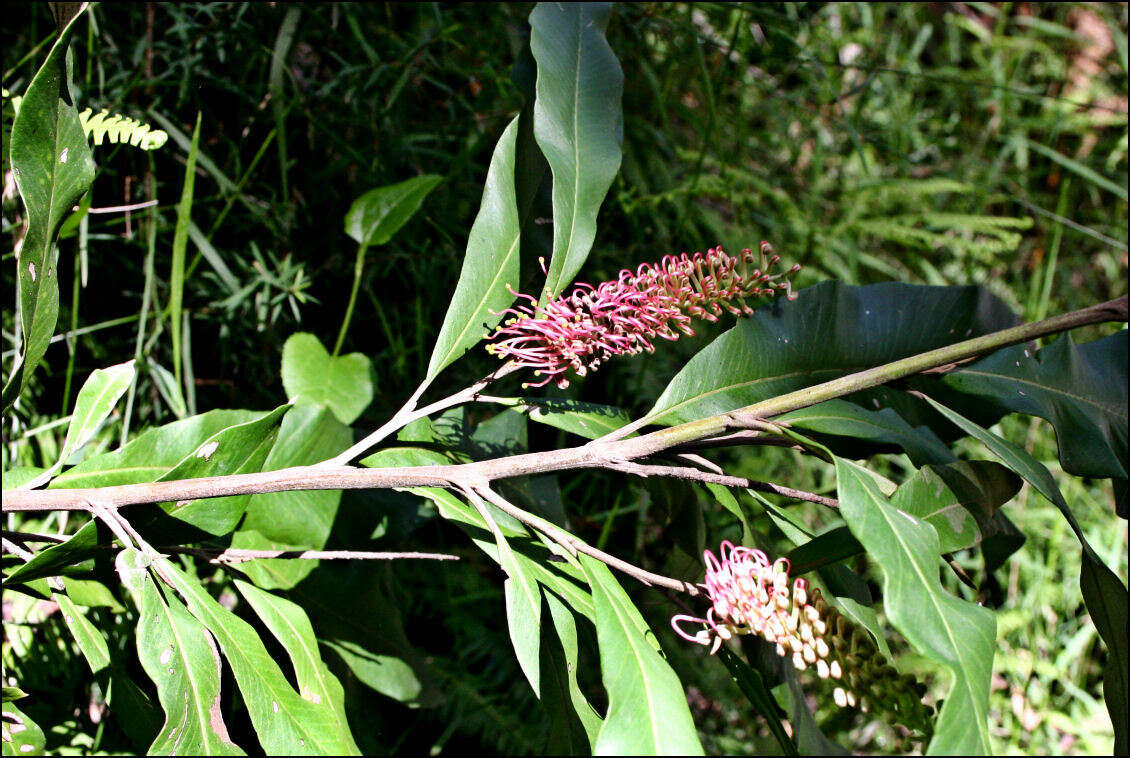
(770,353)
(310,374)
(13,693)
(753,686)
(89,640)
(1080,389)
(50,561)
(959,635)
(490,265)
(578,124)
(574,723)
(53,168)
(379,213)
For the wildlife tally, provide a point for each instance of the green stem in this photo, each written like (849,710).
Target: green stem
(358,269)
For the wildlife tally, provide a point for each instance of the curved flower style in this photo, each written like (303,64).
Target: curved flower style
(750,595)
(581,330)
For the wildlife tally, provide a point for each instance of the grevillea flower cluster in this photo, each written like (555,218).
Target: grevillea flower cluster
(750,595)
(581,330)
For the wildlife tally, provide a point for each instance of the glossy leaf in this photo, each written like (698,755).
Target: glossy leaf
(647,709)
(291,627)
(578,124)
(959,635)
(153,453)
(22,736)
(1079,389)
(98,396)
(310,374)
(238,449)
(588,420)
(378,214)
(283,720)
(53,167)
(845,419)
(180,657)
(770,353)
(50,561)
(1103,592)
(299,520)
(490,264)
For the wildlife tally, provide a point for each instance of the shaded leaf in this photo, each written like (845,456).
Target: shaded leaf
(50,561)
(959,635)
(753,686)
(378,214)
(490,264)
(578,124)
(90,641)
(588,420)
(310,374)
(53,167)
(574,723)
(1079,389)
(647,709)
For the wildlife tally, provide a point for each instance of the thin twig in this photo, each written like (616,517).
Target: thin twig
(684,472)
(237,555)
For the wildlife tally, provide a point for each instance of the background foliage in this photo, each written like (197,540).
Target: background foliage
(925,143)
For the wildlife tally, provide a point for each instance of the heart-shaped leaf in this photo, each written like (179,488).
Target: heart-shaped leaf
(311,375)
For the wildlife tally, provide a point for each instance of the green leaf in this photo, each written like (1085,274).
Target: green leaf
(299,520)
(52,560)
(490,265)
(153,453)
(588,420)
(578,123)
(959,635)
(378,214)
(311,375)
(180,242)
(1079,389)
(1103,592)
(291,627)
(774,350)
(958,500)
(285,722)
(89,640)
(98,396)
(752,685)
(1084,171)
(53,168)
(19,476)
(845,419)
(239,449)
(22,736)
(576,721)
(13,693)
(647,709)
(179,655)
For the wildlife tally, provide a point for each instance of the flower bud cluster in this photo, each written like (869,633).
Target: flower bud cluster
(581,330)
(866,670)
(750,595)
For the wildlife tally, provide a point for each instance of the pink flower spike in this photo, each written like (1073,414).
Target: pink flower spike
(581,330)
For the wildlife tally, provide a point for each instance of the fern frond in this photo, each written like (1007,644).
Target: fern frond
(120,129)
